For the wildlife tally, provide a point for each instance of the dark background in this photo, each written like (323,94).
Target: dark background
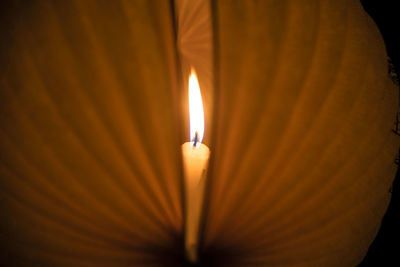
(385,250)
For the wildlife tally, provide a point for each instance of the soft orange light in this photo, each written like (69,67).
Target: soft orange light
(196,111)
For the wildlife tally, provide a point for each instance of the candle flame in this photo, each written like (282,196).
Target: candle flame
(196,111)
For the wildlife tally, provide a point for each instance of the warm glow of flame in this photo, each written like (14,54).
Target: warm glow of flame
(196,111)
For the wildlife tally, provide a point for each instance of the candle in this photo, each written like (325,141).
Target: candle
(195,160)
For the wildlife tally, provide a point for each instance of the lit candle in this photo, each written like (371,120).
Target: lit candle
(195,161)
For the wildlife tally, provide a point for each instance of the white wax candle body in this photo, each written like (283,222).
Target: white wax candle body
(195,161)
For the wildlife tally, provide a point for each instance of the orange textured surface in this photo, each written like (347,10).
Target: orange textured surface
(299,111)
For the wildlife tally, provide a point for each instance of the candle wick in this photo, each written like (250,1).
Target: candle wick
(196,139)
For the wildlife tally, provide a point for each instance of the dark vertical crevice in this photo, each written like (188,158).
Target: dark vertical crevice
(178,253)
(174,20)
(204,255)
